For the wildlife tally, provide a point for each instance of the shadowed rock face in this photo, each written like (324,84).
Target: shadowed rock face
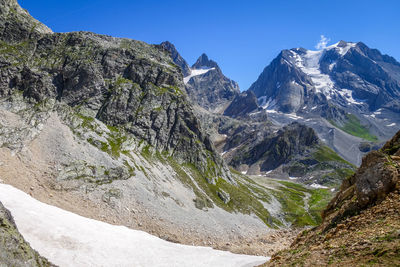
(176,57)
(121,82)
(242,104)
(16,24)
(276,82)
(211,90)
(278,149)
(14,250)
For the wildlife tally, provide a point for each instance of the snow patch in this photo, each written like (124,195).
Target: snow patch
(391,125)
(309,64)
(294,116)
(314,185)
(67,239)
(342,50)
(348,96)
(196,72)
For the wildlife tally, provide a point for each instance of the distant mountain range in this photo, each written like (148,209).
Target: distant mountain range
(348,93)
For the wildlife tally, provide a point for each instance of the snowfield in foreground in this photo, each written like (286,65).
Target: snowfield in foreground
(67,239)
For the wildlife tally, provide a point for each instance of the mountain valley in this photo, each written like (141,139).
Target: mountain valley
(128,135)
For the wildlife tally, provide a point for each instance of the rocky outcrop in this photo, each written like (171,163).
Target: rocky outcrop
(278,149)
(211,90)
(177,58)
(242,104)
(378,175)
(14,250)
(16,24)
(361,224)
(123,83)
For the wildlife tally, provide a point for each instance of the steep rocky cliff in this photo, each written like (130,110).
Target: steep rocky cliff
(294,152)
(177,58)
(208,87)
(14,250)
(361,225)
(123,83)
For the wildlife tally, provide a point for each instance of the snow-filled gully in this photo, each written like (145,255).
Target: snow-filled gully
(67,239)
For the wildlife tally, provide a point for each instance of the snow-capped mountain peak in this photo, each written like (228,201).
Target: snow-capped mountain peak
(341,47)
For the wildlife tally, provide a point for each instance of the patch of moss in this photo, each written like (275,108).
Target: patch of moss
(146,152)
(326,154)
(318,201)
(292,197)
(354,127)
(87,122)
(241,198)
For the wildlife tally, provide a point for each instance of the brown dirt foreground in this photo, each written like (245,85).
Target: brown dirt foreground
(371,238)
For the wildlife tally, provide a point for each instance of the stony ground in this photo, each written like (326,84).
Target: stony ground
(33,168)
(42,188)
(371,238)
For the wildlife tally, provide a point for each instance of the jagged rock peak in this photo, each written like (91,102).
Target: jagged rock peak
(208,87)
(176,57)
(204,62)
(16,23)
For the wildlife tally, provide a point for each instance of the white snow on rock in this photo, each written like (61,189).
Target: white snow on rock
(309,64)
(293,116)
(314,185)
(196,72)
(391,125)
(67,239)
(348,95)
(342,50)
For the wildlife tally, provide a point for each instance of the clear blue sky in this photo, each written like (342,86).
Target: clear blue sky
(242,36)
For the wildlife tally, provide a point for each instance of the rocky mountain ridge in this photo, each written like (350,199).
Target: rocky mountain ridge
(347,92)
(246,138)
